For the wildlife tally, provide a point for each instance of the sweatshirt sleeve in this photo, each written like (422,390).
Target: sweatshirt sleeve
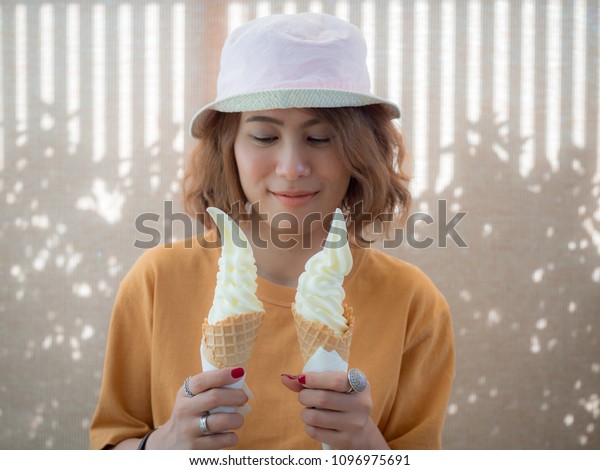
(124,408)
(424,386)
(426,375)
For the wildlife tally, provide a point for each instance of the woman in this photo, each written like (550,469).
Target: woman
(293,134)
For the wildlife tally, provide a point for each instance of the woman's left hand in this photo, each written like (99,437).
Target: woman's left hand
(333,416)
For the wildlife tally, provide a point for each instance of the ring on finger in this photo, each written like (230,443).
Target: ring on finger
(358,381)
(204,425)
(186,388)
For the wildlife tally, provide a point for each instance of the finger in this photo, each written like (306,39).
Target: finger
(222,422)
(291,382)
(215,397)
(324,419)
(327,400)
(216,441)
(336,401)
(333,438)
(213,379)
(351,422)
(325,436)
(336,381)
(187,411)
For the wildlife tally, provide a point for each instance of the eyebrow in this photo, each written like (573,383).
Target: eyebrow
(279,122)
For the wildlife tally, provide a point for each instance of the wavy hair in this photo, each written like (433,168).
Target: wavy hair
(365,138)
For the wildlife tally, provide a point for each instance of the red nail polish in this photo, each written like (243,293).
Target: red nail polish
(302,379)
(291,377)
(237,372)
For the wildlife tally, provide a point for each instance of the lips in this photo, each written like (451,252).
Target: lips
(294,193)
(294,198)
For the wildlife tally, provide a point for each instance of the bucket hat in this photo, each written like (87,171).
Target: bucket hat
(303,60)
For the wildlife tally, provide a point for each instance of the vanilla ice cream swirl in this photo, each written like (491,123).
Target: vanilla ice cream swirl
(235,293)
(320,294)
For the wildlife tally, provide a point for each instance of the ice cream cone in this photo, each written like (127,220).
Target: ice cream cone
(314,334)
(229,342)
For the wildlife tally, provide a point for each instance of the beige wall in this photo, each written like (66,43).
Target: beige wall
(500,105)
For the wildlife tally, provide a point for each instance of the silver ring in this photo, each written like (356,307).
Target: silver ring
(186,388)
(203,424)
(358,380)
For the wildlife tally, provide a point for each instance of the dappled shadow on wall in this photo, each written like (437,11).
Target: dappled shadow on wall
(67,239)
(101,143)
(524,293)
(70,197)
(76,169)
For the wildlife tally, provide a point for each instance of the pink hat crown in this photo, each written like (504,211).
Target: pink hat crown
(307,50)
(302,60)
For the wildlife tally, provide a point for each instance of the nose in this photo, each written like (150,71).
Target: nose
(291,163)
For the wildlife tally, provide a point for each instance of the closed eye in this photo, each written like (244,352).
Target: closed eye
(319,140)
(264,140)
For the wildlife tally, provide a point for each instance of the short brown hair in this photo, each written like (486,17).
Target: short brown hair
(367,140)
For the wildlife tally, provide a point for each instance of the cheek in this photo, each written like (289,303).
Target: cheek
(242,168)
(338,172)
(250,166)
(241,160)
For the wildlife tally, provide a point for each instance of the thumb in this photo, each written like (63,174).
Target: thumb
(291,382)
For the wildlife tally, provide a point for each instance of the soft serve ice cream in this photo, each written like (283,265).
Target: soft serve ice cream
(230,329)
(323,321)
(320,295)
(232,324)
(235,293)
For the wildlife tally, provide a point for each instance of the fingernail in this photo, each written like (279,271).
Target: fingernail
(237,372)
(302,379)
(291,377)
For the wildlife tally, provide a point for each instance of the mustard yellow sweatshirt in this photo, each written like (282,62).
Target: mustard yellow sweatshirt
(402,340)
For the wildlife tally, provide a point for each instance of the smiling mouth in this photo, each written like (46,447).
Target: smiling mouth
(294,193)
(293,198)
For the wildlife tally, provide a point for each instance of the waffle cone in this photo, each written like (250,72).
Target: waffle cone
(313,334)
(229,343)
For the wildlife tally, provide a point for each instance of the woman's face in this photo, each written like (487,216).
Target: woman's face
(287,163)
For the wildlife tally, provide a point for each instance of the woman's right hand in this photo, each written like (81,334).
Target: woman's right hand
(182,430)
